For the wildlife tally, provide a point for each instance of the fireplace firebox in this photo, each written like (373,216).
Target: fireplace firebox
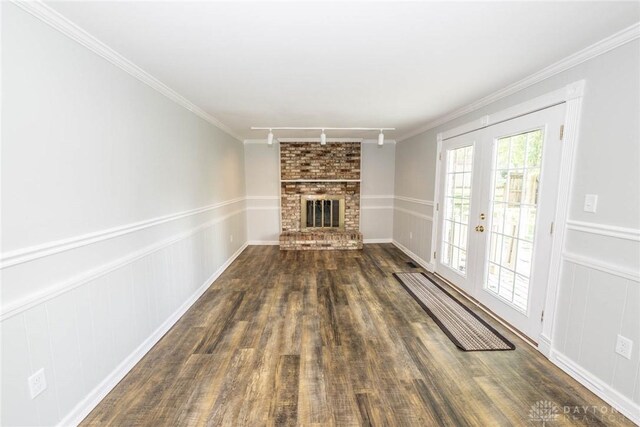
(325,212)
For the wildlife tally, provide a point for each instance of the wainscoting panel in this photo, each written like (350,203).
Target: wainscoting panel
(376,218)
(263,219)
(614,250)
(88,336)
(599,299)
(412,225)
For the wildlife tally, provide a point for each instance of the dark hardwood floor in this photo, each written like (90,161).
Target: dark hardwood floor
(321,338)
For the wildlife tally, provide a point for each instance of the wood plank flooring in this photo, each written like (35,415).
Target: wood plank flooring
(330,338)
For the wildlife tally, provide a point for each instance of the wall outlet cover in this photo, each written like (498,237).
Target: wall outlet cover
(590,203)
(37,383)
(624,346)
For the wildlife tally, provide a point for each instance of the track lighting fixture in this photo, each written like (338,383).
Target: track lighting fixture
(323,136)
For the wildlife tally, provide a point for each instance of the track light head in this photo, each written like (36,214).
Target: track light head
(270,138)
(380,138)
(323,138)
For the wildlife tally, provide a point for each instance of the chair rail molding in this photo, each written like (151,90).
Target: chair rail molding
(74,282)
(57,21)
(606,267)
(376,196)
(625,233)
(376,207)
(415,200)
(19,256)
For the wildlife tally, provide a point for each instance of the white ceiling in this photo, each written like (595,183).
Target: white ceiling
(343,64)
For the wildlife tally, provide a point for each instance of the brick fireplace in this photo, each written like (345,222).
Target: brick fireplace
(320,195)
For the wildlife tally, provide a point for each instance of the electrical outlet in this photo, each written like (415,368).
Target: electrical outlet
(231,238)
(411,235)
(37,383)
(590,203)
(624,346)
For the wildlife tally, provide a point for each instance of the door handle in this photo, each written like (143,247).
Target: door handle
(480,228)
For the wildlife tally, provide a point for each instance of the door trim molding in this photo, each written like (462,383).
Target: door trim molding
(573,110)
(562,95)
(571,95)
(436,198)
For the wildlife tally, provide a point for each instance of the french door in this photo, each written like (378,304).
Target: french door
(496,209)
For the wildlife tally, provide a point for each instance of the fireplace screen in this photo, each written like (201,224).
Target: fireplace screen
(322,211)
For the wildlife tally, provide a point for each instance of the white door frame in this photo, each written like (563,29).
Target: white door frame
(572,95)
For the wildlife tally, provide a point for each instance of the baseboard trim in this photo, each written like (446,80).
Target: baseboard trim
(84,407)
(424,264)
(263,243)
(377,241)
(544,345)
(621,403)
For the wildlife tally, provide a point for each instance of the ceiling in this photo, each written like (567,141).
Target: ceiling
(343,64)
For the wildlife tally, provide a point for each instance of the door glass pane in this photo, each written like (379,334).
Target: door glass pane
(456,208)
(514,199)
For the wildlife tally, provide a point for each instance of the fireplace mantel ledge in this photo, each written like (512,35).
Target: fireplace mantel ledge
(319,180)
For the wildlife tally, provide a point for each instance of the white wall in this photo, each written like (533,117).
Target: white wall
(600,288)
(263,180)
(376,191)
(262,172)
(414,189)
(118,208)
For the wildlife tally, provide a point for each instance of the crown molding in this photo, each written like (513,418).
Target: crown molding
(57,21)
(603,46)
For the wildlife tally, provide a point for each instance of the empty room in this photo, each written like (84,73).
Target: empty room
(355,213)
